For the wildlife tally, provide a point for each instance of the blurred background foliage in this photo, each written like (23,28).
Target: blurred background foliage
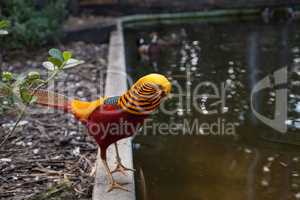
(33,23)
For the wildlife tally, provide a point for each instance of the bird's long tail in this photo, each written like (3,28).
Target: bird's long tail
(52,99)
(47,98)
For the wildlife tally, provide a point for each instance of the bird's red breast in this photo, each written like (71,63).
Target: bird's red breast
(109,123)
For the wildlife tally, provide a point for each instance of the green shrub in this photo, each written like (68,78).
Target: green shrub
(4,24)
(32,26)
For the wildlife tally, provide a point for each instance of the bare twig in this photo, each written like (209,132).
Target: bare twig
(21,116)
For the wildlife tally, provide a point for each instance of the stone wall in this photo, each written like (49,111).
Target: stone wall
(194,3)
(127,7)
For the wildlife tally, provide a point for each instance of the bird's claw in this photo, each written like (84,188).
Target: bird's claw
(121,168)
(114,185)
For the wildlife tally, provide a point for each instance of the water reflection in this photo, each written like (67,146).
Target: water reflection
(256,162)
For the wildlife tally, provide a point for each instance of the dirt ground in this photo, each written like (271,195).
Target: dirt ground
(50,156)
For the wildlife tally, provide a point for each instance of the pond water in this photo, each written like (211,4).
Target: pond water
(230,154)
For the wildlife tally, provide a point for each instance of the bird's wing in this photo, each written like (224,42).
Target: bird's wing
(83,109)
(112,100)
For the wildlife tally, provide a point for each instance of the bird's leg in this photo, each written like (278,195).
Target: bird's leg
(120,167)
(113,183)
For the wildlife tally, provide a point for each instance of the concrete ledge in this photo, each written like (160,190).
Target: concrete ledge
(200,14)
(115,85)
(187,17)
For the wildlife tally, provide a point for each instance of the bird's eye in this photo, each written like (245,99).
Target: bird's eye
(160,88)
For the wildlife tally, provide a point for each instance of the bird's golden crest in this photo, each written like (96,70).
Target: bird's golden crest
(145,95)
(156,79)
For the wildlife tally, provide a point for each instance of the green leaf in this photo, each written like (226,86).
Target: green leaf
(55,61)
(67,55)
(49,66)
(4,24)
(72,63)
(33,99)
(25,95)
(57,54)
(7,76)
(33,75)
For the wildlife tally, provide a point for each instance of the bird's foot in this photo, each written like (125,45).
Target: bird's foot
(121,168)
(114,185)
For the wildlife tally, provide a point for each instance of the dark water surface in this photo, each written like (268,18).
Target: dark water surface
(239,157)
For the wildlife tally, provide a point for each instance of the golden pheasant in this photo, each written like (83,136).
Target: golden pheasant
(130,109)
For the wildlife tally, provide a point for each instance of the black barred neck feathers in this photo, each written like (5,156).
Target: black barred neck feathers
(145,95)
